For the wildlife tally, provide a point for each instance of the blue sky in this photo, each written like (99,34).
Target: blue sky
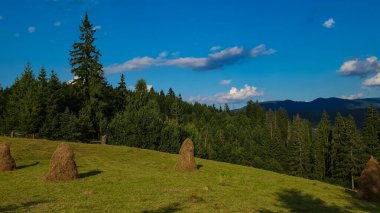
(220,51)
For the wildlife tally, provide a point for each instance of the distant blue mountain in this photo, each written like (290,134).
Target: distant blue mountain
(313,110)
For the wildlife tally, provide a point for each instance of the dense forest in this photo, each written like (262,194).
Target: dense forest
(88,107)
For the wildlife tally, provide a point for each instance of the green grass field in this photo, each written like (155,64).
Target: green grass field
(123,179)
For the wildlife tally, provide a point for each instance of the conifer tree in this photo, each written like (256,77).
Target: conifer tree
(84,58)
(299,148)
(371,131)
(256,113)
(42,91)
(89,79)
(321,146)
(55,104)
(23,107)
(3,101)
(121,94)
(349,150)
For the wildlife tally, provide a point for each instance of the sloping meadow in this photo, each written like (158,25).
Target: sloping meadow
(124,179)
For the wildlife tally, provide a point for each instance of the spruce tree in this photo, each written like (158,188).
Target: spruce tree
(89,80)
(55,104)
(256,113)
(23,107)
(3,102)
(299,148)
(84,57)
(371,131)
(121,94)
(42,91)
(349,150)
(321,146)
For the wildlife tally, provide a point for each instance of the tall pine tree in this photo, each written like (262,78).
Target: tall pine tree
(89,80)
(321,147)
(371,131)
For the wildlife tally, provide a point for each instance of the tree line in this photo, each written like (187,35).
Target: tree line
(88,107)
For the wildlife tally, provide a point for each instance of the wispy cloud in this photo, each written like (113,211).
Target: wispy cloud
(97,27)
(214,61)
(329,23)
(215,48)
(363,68)
(57,24)
(353,96)
(31,29)
(17,35)
(262,50)
(1,18)
(234,95)
(225,82)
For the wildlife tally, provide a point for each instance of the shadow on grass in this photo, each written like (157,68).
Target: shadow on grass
(362,204)
(28,165)
(199,166)
(90,173)
(173,207)
(22,206)
(296,201)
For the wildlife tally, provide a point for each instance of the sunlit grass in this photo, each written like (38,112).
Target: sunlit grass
(124,179)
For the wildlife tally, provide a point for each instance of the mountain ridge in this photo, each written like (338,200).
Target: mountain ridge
(312,110)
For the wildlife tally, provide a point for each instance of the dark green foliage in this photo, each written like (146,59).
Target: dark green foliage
(349,157)
(371,131)
(89,82)
(24,107)
(321,148)
(299,148)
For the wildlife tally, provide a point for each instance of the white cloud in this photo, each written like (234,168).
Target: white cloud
(360,67)
(215,48)
(215,60)
(225,82)
(363,68)
(353,96)
(97,27)
(187,62)
(374,81)
(149,87)
(235,95)
(31,29)
(262,50)
(133,64)
(329,23)
(228,52)
(57,24)
(17,35)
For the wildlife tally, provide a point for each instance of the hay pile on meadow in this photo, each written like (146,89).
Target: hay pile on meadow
(7,163)
(186,160)
(62,164)
(369,183)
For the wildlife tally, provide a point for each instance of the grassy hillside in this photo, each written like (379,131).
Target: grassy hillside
(120,179)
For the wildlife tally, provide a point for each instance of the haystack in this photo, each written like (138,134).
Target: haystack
(186,160)
(62,164)
(7,163)
(369,184)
